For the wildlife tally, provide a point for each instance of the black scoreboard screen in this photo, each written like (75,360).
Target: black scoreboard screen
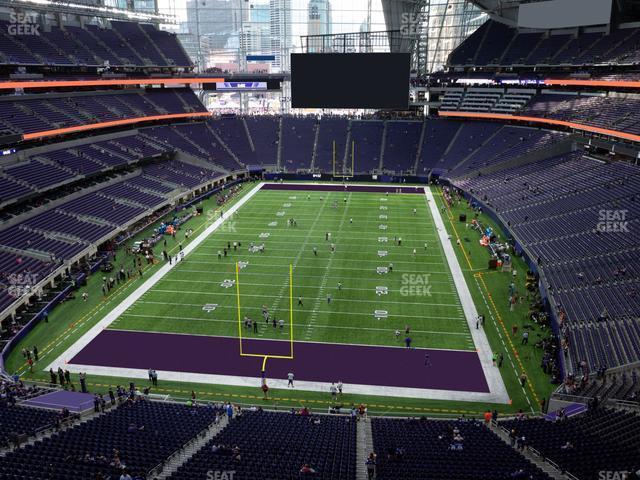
(350,80)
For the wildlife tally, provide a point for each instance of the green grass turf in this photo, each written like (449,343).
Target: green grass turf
(421,292)
(70,320)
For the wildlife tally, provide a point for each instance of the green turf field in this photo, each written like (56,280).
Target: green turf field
(73,318)
(419,289)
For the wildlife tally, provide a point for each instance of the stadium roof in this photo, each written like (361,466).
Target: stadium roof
(628,10)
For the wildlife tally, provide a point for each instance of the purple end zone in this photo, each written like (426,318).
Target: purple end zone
(320,362)
(74,401)
(314,187)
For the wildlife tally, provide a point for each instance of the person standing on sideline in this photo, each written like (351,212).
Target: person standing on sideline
(290,379)
(265,389)
(334,391)
(340,387)
(407,341)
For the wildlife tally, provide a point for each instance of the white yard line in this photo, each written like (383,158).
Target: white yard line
(491,373)
(282,295)
(235,321)
(377,262)
(360,279)
(368,315)
(110,317)
(214,282)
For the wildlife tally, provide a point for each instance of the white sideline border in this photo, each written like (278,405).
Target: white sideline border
(491,372)
(497,393)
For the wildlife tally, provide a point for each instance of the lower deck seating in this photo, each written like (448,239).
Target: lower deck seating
(421,448)
(276,445)
(137,435)
(584,445)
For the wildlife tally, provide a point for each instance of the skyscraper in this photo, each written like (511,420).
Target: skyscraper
(318,22)
(256,31)
(280,30)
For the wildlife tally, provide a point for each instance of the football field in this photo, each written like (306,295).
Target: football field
(348,279)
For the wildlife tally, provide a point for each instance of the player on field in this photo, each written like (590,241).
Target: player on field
(281,324)
(333,248)
(300,302)
(315,251)
(339,285)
